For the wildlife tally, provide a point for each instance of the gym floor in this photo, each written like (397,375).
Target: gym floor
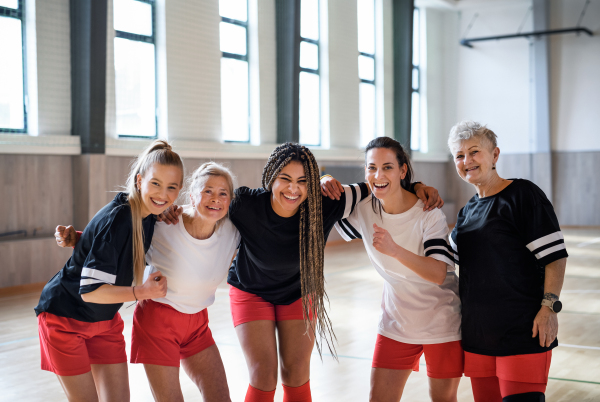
(354,290)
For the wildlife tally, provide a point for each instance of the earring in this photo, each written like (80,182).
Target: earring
(494,166)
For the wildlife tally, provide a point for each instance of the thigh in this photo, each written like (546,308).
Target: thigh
(529,368)
(258,342)
(295,348)
(443,389)
(208,373)
(518,387)
(199,336)
(387,384)
(486,389)
(246,307)
(107,346)
(444,360)
(164,382)
(394,355)
(112,381)
(79,388)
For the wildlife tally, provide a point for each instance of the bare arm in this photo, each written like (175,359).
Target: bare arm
(545,323)
(154,287)
(427,268)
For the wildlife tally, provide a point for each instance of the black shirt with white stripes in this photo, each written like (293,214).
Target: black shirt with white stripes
(268,260)
(103,255)
(502,244)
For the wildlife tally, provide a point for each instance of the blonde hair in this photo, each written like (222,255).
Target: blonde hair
(312,238)
(158,152)
(467,129)
(201,175)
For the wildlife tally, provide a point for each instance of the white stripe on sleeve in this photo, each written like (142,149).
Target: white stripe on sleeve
(550,250)
(84,282)
(353,197)
(100,275)
(454,248)
(542,241)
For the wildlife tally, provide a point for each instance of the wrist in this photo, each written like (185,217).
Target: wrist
(325,176)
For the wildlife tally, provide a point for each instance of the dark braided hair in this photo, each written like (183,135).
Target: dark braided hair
(402,158)
(312,239)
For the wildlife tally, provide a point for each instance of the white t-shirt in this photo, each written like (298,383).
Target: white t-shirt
(193,268)
(413,310)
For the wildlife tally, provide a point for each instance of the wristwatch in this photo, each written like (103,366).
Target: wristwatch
(555,306)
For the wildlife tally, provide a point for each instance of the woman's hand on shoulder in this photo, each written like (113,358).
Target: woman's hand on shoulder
(155,287)
(171,215)
(430,197)
(65,236)
(331,187)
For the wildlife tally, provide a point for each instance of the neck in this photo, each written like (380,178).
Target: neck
(398,202)
(492,185)
(282,212)
(198,227)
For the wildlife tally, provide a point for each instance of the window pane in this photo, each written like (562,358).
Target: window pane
(9,3)
(367,112)
(415,134)
(366,26)
(415,78)
(416,37)
(310,109)
(135,88)
(309,19)
(133,16)
(234,9)
(12,115)
(234,99)
(233,38)
(366,68)
(309,55)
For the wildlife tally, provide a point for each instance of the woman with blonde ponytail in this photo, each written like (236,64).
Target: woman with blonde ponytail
(79,325)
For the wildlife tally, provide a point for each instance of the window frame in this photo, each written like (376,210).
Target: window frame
(316,72)
(227,55)
(374,80)
(417,90)
(147,39)
(19,13)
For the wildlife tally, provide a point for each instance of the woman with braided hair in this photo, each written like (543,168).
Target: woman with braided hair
(277,282)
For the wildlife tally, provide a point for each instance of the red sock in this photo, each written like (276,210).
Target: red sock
(297,394)
(256,395)
(486,389)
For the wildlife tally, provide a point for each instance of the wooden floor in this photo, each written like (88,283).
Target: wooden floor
(355,290)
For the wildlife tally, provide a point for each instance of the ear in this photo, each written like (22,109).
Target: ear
(366,171)
(496,154)
(138,181)
(403,171)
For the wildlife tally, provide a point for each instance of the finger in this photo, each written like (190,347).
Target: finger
(329,194)
(331,187)
(534,331)
(178,210)
(340,187)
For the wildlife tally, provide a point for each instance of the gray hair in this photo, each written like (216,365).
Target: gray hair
(201,175)
(467,129)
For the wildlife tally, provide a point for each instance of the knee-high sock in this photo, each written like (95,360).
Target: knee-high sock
(486,389)
(525,397)
(256,395)
(297,394)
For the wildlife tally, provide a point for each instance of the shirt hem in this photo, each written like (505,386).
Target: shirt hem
(507,353)
(397,338)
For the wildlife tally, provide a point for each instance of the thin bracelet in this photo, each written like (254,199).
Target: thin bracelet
(326,175)
(134,294)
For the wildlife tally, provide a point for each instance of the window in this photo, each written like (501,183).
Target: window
(310,85)
(13,112)
(235,110)
(135,72)
(418,135)
(366,70)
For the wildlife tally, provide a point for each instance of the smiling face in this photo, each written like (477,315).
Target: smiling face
(159,188)
(474,160)
(289,189)
(384,173)
(212,201)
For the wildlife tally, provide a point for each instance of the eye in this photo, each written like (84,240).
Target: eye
(459,156)
(371,168)
(224,194)
(155,183)
(388,167)
(172,188)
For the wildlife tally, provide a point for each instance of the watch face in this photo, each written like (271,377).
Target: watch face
(557,306)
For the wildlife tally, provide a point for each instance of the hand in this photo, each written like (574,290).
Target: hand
(429,196)
(331,188)
(383,242)
(65,236)
(545,325)
(155,287)
(171,215)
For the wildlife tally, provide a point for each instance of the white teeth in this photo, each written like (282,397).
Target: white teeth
(380,185)
(290,197)
(216,209)
(159,203)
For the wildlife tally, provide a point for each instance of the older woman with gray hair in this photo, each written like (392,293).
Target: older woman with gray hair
(512,258)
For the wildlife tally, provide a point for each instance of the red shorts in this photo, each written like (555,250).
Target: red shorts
(246,307)
(69,346)
(530,368)
(163,336)
(444,360)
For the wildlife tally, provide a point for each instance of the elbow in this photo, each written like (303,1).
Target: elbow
(441,277)
(86,297)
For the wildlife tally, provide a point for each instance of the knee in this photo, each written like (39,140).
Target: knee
(526,397)
(295,372)
(263,375)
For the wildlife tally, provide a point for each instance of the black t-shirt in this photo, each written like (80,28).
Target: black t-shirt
(268,260)
(103,255)
(502,244)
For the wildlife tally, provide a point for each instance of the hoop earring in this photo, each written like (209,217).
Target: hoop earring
(494,166)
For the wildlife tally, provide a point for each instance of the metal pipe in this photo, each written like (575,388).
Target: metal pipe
(467,42)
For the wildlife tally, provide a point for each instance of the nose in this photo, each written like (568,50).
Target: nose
(378,174)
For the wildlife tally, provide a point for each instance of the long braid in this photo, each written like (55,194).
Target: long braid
(312,240)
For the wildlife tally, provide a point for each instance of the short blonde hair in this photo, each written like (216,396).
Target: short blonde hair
(203,173)
(467,129)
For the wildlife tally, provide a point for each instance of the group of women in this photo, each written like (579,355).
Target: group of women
(512,260)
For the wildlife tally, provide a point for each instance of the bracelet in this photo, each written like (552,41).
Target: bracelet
(136,299)
(326,175)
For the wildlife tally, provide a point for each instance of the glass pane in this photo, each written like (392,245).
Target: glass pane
(12,115)
(9,3)
(234,9)
(416,37)
(135,88)
(309,55)
(366,26)
(234,99)
(309,19)
(367,112)
(310,109)
(415,78)
(233,38)
(415,134)
(366,68)
(133,16)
